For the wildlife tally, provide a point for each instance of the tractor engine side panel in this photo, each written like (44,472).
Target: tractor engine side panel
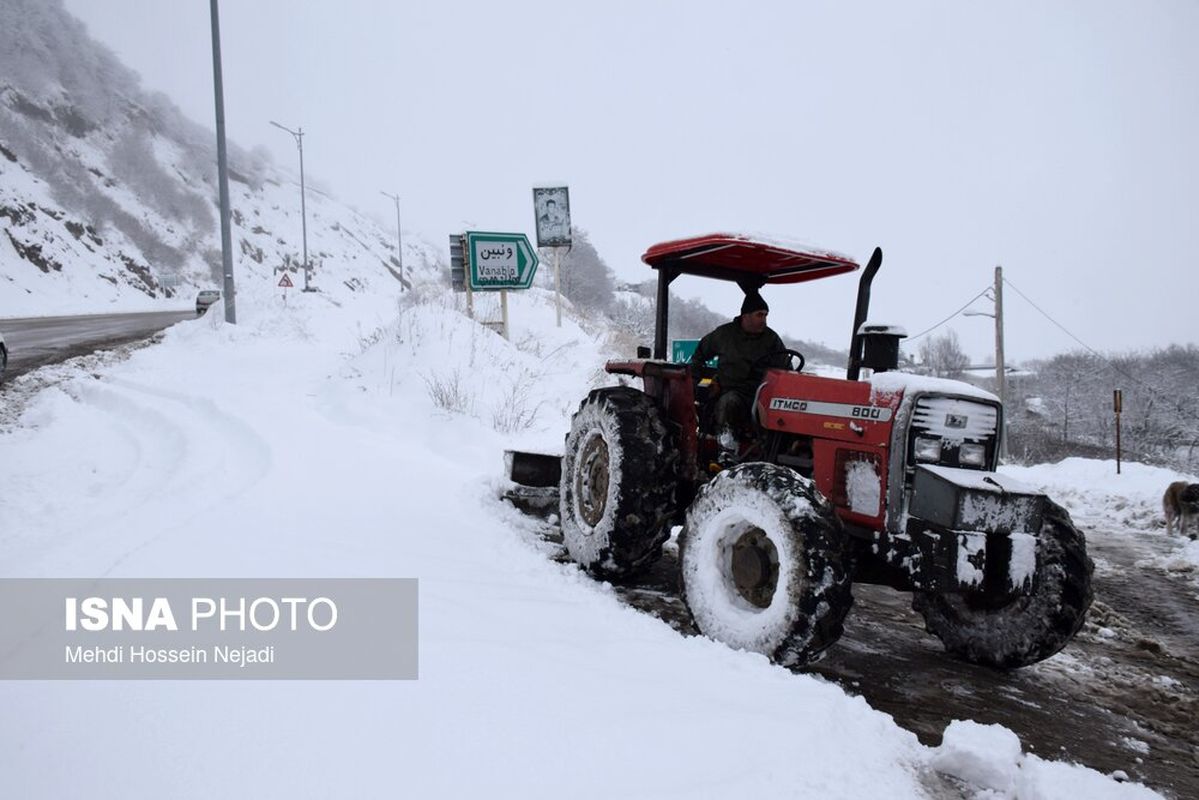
(825,408)
(849,428)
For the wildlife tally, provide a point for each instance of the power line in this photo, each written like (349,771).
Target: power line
(1110,365)
(1045,314)
(951,316)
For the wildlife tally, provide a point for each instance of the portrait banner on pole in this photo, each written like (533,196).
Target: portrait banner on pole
(551,207)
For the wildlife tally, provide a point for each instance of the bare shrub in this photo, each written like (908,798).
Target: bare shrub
(515,411)
(449,392)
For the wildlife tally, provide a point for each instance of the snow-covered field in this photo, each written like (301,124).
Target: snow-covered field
(1096,496)
(362,439)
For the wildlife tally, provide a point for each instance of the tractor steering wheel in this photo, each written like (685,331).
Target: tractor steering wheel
(791,356)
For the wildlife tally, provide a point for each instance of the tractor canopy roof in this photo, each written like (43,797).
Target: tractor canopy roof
(748,259)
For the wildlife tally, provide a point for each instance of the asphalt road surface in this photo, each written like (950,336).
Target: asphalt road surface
(1124,695)
(36,341)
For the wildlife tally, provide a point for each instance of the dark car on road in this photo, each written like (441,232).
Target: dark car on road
(3,357)
(206,298)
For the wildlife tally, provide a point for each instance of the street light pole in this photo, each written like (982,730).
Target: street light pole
(1000,368)
(399,237)
(222,168)
(299,134)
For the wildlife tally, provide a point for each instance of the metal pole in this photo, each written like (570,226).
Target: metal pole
(303,209)
(662,311)
(504,310)
(399,239)
(470,294)
(222,168)
(1000,369)
(557,284)
(299,136)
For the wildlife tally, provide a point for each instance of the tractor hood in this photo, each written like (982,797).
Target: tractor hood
(888,383)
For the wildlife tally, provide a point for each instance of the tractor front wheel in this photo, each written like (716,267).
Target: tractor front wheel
(1029,627)
(619,476)
(762,564)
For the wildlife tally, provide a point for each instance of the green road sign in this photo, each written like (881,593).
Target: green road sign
(681,350)
(500,261)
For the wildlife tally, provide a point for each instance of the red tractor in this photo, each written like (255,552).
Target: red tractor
(887,479)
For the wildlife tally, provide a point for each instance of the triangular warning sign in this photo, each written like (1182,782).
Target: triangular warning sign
(285,281)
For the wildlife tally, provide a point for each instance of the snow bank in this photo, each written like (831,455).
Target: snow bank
(989,758)
(1094,494)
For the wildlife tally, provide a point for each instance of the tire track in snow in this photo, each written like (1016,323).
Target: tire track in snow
(173,457)
(227,459)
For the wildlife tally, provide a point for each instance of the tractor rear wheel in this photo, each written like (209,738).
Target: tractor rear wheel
(1029,627)
(762,564)
(619,475)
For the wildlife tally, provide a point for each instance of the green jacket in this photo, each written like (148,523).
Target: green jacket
(744,357)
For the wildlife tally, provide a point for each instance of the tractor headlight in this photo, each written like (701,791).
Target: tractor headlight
(928,448)
(972,455)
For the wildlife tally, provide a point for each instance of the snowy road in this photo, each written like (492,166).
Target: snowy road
(1123,696)
(37,341)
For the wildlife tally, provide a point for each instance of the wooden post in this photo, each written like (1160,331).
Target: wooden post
(1118,405)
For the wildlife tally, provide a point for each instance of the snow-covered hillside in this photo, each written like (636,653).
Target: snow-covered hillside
(108,196)
(363,440)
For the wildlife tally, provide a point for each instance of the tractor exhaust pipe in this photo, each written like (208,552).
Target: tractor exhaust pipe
(859,316)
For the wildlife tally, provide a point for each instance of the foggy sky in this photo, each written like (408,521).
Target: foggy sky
(1056,139)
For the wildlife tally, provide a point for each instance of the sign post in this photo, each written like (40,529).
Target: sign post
(499,262)
(1118,406)
(285,283)
(551,209)
(458,280)
(504,311)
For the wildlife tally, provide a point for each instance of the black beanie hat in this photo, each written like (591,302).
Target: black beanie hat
(753,302)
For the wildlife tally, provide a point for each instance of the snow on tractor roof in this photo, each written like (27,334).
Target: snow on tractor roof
(740,257)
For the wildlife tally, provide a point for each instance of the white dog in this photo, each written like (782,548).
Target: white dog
(1181,502)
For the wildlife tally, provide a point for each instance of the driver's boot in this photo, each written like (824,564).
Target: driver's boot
(727,448)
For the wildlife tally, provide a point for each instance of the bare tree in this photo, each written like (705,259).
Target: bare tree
(587,280)
(943,355)
(1074,415)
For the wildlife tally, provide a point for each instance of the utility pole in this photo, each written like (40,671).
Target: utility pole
(222,168)
(399,239)
(1000,366)
(1000,369)
(299,134)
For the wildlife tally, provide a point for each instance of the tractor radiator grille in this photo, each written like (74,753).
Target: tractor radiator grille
(956,422)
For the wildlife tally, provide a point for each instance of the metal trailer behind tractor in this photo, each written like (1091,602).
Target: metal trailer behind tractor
(887,479)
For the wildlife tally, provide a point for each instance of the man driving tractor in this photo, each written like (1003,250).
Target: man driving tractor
(746,348)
